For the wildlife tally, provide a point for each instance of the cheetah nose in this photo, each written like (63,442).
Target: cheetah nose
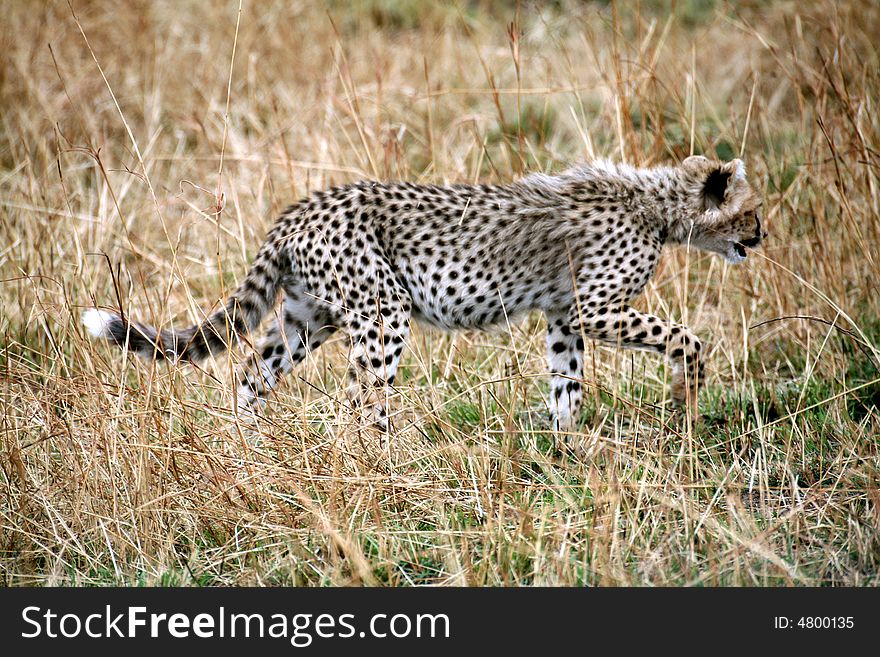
(764,235)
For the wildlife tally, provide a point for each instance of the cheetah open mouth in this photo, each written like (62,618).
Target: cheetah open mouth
(740,247)
(735,253)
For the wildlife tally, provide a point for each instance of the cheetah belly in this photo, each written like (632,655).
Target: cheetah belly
(485,303)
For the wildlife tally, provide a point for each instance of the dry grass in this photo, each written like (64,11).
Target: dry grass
(151,189)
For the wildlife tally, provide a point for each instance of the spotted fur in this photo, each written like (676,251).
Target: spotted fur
(369,257)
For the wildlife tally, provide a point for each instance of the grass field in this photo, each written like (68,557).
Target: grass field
(145,148)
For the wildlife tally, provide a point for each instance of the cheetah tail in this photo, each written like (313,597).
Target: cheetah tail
(242,313)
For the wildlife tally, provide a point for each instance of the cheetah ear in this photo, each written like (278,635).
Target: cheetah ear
(715,188)
(714,179)
(695,161)
(719,179)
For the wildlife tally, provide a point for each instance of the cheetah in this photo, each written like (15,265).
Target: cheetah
(369,257)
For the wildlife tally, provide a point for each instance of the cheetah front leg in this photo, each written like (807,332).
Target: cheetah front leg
(565,357)
(632,329)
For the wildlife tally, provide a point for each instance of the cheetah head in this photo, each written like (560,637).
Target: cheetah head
(725,217)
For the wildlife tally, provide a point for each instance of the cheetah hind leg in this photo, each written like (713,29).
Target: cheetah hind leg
(377,344)
(301,328)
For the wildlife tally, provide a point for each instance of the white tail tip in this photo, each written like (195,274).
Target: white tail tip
(96,321)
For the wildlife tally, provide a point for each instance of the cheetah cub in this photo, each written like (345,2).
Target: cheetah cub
(369,257)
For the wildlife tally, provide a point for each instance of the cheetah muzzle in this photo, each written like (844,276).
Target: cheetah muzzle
(369,257)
